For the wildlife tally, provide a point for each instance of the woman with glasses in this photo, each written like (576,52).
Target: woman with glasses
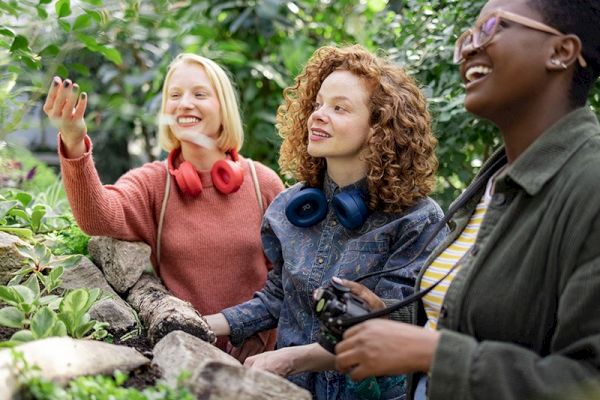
(517,312)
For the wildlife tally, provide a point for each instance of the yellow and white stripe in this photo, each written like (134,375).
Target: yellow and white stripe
(447,259)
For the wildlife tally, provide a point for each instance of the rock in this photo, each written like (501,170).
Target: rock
(122,262)
(113,310)
(10,259)
(216,375)
(61,359)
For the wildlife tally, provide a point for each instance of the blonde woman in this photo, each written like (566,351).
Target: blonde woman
(210,248)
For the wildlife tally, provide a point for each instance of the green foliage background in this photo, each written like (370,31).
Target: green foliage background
(117,50)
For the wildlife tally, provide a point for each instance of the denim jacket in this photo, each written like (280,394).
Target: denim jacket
(305,259)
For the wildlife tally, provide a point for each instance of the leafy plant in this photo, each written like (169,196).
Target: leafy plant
(98,387)
(21,216)
(36,311)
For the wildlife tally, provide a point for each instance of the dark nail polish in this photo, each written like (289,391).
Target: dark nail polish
(83,95)
(55,82)
(67,84)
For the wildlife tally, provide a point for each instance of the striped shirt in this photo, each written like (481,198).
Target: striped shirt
(448,258)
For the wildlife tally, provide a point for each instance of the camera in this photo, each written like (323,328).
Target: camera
(334,305)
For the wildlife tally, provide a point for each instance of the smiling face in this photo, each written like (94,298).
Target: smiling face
(192,102)
(510,72)
(339,125)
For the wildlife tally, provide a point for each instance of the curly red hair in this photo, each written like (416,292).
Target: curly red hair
(400,151)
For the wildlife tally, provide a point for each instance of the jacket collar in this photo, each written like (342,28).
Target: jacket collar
(330,187)
(547,155)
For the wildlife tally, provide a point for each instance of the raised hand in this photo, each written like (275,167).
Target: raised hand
(65,107)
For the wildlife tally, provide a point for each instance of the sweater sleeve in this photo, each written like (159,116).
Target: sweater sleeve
(123,210)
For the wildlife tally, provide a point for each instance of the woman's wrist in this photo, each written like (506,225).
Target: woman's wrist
(218,324)
(73,149)
(312,357)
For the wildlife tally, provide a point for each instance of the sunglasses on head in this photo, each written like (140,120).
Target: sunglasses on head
(484,30)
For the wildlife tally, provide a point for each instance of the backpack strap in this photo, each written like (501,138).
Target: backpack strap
(256,186)
(161,217)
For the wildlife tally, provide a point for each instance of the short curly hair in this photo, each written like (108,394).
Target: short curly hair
(400,152)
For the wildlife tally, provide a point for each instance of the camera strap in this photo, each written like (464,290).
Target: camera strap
(477,185)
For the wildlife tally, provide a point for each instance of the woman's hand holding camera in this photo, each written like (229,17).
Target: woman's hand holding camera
(65,107)
(372,300)
(381,347)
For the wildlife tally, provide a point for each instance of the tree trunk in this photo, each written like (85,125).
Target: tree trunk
(161,312)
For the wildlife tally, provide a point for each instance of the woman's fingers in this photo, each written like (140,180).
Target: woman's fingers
(71,98)
(81,105)
(59,103)
(52,93)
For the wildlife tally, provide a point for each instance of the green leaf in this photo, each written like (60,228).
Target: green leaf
(50,51)
(75,302)
(93,2)
(36,217)
(25,293)
(12,317)
(80,69)
(56,273)
(64,25)
(24,233)
(10,296)
(42,323)
(24,197)
(67,261)
(22,336)
(82,22)
(44,2)
(111,54)
(33,284)
(59,329)
(42,13)
(6,32)
(62,8)
(83,328)
(88,41)
(19,43)
(51,300)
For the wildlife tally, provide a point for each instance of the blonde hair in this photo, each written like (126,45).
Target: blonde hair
(400,151)
(232,135)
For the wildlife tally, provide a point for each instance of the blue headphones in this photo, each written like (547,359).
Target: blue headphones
(309,207)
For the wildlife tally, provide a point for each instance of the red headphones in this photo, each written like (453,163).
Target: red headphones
(227,175)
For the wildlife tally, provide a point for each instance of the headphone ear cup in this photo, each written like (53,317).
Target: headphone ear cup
(188,179)
(227,176)
(306,208)
(350,208)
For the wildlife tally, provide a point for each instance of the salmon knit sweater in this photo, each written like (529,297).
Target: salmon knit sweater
(211,251)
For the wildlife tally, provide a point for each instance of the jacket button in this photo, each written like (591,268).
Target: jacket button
(498,199)
(443,312)
(320,260)
(333,223)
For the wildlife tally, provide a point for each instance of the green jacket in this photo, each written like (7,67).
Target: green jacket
(521,320)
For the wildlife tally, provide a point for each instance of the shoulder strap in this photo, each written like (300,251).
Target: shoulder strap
(256,185)
(161,217)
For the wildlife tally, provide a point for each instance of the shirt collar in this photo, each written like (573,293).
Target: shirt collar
(547,154)
(330,187)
